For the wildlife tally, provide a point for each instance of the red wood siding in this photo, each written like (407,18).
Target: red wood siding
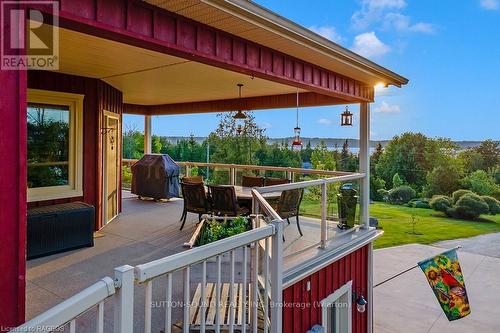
(149,27)
(99,96)
(302,308)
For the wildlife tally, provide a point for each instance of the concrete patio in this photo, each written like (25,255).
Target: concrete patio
(407,303)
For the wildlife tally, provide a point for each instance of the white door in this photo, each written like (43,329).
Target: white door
(111,165)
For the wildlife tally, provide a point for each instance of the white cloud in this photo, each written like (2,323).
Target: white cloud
(368,45)
(324,121)
(388,108)
(328,32)
(403,23)
(373,11)
(489,4)
(388,13)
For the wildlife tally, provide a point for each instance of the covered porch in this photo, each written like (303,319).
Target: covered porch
(147,231)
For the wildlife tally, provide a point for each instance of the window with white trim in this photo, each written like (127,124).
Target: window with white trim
(337,310)
(55,138)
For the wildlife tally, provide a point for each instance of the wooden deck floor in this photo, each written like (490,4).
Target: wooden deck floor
(145,231)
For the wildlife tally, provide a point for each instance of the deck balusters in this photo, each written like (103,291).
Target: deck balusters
(168,304)
(244,292)
(217,296)
(203,306)
(147,306)
(231,293)
(255,288)
(100,317)
(187,299)
(266,285)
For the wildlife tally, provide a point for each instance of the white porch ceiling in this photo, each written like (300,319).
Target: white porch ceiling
(151,78)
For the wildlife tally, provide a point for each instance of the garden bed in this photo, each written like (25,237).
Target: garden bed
(212,229)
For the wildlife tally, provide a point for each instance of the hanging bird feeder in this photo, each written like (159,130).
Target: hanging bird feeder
(346,117)
(240,117)
(297,141)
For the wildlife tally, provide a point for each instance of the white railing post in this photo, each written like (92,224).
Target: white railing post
(364,165)
(188,171)
(232,176)
(324,206)
(124,299)
(277,278)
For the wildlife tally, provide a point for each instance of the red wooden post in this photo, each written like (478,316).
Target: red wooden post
(12,197)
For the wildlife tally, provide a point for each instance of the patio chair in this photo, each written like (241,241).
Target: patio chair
(225,202)
(195,200)
(192,180)
(252,181)
(269,181)
(289,204)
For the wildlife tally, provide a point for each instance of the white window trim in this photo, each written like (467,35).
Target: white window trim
(75,171)
(331,299)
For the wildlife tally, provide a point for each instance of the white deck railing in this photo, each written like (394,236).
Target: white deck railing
(268,210)
(260,277)
(65,313)
(261,272)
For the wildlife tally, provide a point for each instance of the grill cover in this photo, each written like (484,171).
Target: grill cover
(155,176)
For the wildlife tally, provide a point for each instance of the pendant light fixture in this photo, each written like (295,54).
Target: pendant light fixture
(346,117)
(240,116)
(297,142)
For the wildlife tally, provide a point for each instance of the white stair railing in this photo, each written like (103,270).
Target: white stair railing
(185,262)
(66,313)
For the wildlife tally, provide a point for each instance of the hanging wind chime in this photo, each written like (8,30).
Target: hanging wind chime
(240,116)
(297,142)
(346,117)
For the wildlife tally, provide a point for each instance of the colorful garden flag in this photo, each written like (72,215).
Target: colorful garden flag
(446,280)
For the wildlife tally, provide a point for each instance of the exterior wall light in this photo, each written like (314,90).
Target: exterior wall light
(361,304)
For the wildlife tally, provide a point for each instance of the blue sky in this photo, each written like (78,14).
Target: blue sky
(449,49)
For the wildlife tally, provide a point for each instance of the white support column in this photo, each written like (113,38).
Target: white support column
(364,164)
(147,134)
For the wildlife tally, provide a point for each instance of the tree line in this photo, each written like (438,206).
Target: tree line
(424,166)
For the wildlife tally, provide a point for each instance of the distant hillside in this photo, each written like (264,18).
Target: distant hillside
(330,142)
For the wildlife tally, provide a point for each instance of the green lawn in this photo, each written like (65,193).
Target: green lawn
(431,226)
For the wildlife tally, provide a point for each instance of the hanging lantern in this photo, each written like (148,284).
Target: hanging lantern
(297,141)
(240,117)
(346,118)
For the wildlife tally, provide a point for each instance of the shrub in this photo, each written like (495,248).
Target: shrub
(441,203)
(384,194)
(458,194)
(376,184)
(419,203)
(480,182)
(397,181)
(469,206)
(422,204)
(493,204)
(401,195)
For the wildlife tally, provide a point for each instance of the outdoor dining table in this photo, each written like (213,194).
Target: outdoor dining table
(245,193)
